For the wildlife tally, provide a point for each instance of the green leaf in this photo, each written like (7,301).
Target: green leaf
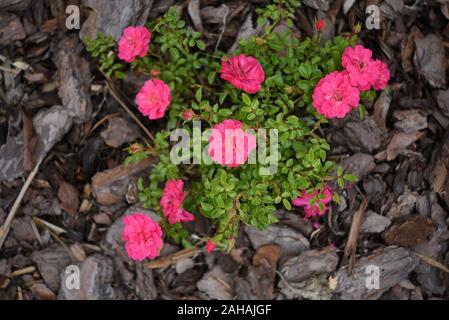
(120,75)
(287,204)
(206,206)
(350,177)
(224,112)
(211,77)
(341,182)
(174,53)
(339,171)
(246,99)
(201,45)
(199,94)
(305,70)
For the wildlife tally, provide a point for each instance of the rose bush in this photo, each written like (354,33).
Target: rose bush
(275,82)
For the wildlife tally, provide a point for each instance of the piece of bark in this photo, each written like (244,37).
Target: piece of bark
(14,5)
(51,262)
(12,158)
(381,108)
(374,223)
(119,132)
(262,274)
(109,187)
(442,98)
(41,292)
(11,29)
(310,263)
(160,7)
(289,240)
(74,80)
(409,231)
(394,265)
(216,15)
(243,290)
(22,230)
(112,16)
(78,252)
(359,135)
(68,198)
(145,287)
(404,205)
(217,284)
(313,288)
(322,5)
(51,125)
(433,281)
(438,176)
(194,12)
(95,279)
(430,59)
(246,31)
(5,267)
(409,120)
(359,164)
(400,143)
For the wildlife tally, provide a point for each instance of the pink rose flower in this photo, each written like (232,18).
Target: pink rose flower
(334,96)
(357,61)
(314,210)
(383,75)
(210,246)
(245,73)
(229,145)
(143,237)
(153,98)
(171,201)
(133,43)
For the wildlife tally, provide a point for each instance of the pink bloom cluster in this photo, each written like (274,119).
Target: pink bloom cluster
(334,96)
(133,43)
(364,71)
(314,210)
(245,73)
(143,237)
(153,98)
(339,92)
(171,201)
(229,145)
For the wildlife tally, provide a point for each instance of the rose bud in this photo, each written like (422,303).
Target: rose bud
(155,72)
(134,148)
(188,115)
(320,24)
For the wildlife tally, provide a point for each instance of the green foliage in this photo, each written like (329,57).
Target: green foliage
(230,196)
(277,11)
(103,49)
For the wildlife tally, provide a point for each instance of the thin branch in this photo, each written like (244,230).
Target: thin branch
(351,244)
(4,229)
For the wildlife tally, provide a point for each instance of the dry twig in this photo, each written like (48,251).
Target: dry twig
(4,229)
(351,244)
